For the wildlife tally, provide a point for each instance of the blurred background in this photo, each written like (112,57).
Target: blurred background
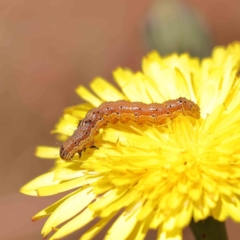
(49,47)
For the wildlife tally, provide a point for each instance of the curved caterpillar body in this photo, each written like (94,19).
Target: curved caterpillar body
(111,112)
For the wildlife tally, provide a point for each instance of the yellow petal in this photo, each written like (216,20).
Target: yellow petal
(50,209)
(141,228)
(68,209)
(105,90)
(97,228)
(62,187)
(88,96)
(46,179)
(124,221)
(175,234)
(47,152)
(76,223)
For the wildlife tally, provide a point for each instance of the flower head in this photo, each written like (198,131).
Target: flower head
(151,176)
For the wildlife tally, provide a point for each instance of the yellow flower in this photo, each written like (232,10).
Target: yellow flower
(151,177)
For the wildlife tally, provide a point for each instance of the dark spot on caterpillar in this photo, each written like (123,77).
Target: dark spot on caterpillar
(79,141)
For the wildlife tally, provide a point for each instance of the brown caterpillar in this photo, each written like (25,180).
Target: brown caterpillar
(111,112)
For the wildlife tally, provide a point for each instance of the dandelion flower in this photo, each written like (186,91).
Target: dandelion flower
(151,176)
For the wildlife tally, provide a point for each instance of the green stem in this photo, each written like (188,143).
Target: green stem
(209,229)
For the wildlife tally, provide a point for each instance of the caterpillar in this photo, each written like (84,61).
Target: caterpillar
(123,111)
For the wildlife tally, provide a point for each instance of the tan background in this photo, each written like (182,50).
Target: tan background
(47,48)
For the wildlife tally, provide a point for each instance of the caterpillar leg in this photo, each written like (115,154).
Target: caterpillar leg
(93,146)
